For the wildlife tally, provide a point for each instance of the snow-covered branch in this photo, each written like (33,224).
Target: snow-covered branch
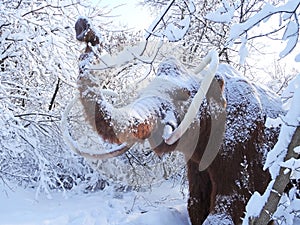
(244,24)
(287,12)
(172,29)
(267,11)
(282,163)
(159,18)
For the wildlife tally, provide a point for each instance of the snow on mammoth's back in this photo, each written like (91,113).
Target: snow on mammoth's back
(247,103)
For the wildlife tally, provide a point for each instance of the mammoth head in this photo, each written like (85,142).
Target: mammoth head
(85,33)
(172,112)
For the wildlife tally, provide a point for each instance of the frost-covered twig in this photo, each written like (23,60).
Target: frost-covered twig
(50,6)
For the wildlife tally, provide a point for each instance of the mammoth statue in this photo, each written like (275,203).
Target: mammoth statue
(225,145)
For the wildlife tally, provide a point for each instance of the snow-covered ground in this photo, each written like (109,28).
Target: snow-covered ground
(162,205)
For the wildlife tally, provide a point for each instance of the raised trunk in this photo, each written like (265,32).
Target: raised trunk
(116,125)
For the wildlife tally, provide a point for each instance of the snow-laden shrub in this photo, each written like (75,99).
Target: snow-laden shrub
(38,66)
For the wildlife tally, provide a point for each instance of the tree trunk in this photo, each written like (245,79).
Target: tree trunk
(280,184)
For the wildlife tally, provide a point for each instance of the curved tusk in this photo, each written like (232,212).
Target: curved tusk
(213,60)
(119,150)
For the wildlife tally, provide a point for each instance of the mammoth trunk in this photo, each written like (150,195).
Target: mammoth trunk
(128,124)
(95,109)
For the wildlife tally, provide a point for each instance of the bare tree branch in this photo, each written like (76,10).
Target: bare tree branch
(54,94)
(159,20)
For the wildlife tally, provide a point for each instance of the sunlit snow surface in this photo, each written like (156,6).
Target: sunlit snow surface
(161,205)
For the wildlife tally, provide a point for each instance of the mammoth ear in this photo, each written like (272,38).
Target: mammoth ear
(217,108)
(216,90)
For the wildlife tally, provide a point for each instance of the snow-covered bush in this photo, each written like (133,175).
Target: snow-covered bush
(38,64)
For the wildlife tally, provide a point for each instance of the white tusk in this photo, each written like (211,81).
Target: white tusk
(65,133)
(167,131)
(213,60)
